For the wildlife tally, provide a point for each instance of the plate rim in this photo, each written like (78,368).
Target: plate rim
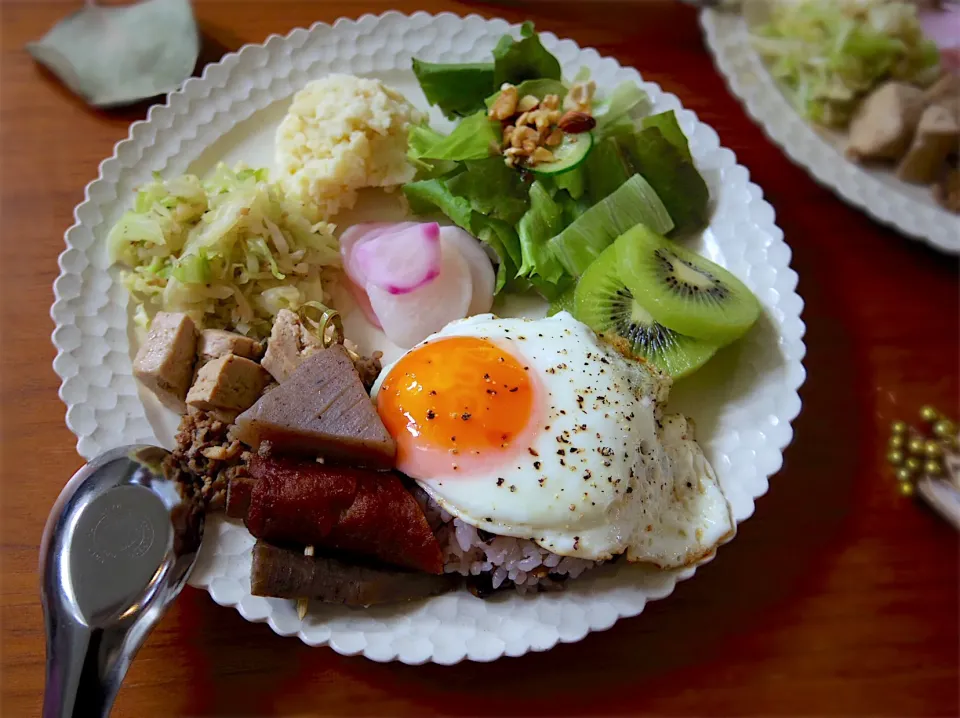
(737,63)
(762,213)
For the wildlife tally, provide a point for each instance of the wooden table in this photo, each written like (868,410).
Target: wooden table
(838,597)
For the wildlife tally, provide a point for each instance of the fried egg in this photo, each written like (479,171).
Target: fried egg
(537,429)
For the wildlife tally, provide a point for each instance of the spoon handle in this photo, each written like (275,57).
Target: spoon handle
(84,670)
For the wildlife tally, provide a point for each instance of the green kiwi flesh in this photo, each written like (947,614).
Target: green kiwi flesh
(603,302)
(682,290)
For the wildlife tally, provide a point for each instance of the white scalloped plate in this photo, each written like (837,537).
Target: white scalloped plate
(908,208)
(743,401)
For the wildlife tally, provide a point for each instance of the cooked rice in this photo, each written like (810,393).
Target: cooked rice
(507,560)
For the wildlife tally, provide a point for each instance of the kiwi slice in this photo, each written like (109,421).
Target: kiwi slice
(603,302)
(682,290)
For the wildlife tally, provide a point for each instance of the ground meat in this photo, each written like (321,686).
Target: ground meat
(205,459)
(369,368)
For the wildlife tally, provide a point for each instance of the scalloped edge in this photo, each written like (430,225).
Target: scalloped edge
(762,214)
(734,60)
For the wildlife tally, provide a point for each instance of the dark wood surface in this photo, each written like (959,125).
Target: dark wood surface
(838,597)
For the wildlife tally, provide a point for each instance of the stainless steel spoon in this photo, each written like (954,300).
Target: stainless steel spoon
(116,551)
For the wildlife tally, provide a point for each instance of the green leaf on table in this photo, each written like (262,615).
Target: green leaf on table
(475,138)
(457,89)
(525,59)
(114,56)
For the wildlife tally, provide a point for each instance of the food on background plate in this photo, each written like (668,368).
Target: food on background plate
(341,134)
(829,54)
(866,66)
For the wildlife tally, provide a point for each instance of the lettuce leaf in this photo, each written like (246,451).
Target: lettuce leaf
(542,221)
(635,202)
(473,139)
(492,188)
(676,180)
(420,139)
(526,59)
(606,168)
(503,239)
(457,89)
(427,197)
(621,110)
(667,123)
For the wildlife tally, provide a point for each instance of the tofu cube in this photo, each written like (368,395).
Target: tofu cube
(164,364)
(885,122)
(289,344)
(215,343)
(229,384)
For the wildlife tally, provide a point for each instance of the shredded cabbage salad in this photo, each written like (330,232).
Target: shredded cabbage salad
(829,53)
(230,251)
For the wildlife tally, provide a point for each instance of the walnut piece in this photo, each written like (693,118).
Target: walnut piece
(505,105)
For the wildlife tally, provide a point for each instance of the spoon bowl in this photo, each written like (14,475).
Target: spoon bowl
(117,549)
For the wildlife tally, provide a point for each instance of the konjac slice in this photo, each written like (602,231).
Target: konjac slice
(411,317)
(481,269)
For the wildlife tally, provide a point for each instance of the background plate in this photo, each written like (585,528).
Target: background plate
(909,208)
(743,401)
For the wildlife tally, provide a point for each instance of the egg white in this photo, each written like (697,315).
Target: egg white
(602,475)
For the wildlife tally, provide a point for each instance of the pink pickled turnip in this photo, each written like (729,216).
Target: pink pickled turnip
(411,317)
(481,270)
(402,261)
(359,233)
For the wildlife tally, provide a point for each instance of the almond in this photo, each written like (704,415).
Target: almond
(576,122)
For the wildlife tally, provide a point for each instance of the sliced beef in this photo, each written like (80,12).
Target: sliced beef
(164,363)
(322,409)
(368,368)
(361,512)
(885,122)
(285,573)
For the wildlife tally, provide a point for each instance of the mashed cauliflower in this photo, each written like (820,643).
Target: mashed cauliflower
(343,133)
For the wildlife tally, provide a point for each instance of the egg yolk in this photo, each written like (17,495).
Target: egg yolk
(462,396)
